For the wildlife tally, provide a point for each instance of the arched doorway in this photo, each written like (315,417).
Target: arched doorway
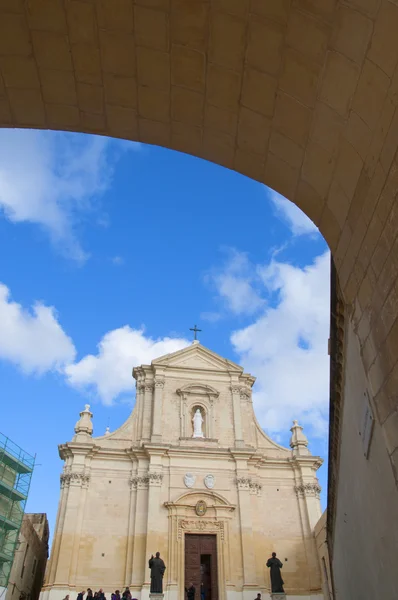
(300,95)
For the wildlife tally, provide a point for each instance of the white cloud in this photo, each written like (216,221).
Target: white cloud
(108,373)
(32,340)
(233,282)
(50,179)
(286,347)
(118,260)
(298,221)
(210,316)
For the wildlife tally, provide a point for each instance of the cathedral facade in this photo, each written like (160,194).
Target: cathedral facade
(190,474)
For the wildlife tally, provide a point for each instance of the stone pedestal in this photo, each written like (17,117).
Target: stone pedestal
(156,596)
(276,596)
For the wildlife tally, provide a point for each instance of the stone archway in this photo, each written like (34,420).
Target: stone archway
(299,94)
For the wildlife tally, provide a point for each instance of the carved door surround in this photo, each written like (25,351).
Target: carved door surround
(183,519)
(197,395)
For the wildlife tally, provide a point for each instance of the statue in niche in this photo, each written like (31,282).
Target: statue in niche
(197,424)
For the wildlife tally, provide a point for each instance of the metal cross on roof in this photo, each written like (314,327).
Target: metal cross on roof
(195,330)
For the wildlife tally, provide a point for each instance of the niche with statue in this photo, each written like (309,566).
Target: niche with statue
(198,422)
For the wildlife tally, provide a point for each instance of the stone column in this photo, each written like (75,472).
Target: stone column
(147,411)
(138,409)
(246,527)
(82,481)
(157,411)
(65,478)
(68,552)
(172,568)
(308,497)
(153,519)
(139,565)
(235,389)
(130,530)
(142,408)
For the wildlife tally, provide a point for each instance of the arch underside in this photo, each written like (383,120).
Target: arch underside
(301,95)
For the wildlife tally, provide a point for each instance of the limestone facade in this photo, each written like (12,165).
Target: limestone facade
(136,491)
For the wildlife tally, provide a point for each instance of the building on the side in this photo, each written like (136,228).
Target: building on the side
(16,467)
(190,474)
(320,532)
(27,572)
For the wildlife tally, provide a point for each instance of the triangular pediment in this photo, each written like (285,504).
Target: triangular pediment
(198,357)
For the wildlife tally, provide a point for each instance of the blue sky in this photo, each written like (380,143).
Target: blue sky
(111,251)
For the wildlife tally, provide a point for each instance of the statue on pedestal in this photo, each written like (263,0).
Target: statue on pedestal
(276,578)
(158,568)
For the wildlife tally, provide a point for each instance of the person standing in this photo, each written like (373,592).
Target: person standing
(190,591)
(101,595)
(202,592)
(275,565)
(126,594)
(80,595)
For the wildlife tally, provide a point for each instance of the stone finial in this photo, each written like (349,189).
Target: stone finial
(107,431)
(298,441)
(84,424)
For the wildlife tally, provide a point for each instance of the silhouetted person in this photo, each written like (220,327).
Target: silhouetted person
(276,578)
(190,591)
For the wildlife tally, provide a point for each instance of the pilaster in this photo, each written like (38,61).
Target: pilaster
(59,526)
(157,410)
(155,479)
(147,411)
(131,529)
(82,483)
(243,482)
(235,389)
(140,483)
(308,491)
(66,561)
(139,408)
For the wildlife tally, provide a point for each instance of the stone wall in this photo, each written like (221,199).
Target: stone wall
(365,535)
(27,572)
(321,542)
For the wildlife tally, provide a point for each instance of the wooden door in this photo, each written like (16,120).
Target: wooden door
(201,565)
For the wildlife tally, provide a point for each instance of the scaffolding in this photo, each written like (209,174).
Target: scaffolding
(16,467)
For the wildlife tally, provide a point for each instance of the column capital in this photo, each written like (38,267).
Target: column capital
(308,489)
(74,479)
(243,483)
(155,479)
